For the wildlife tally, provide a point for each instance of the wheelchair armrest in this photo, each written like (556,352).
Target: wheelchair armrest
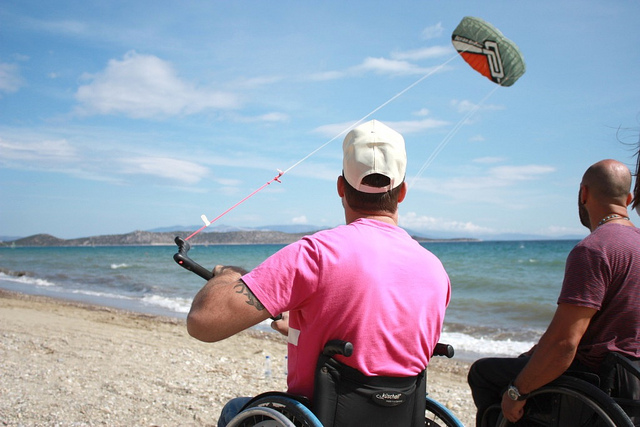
(444,350)
(337,347)
(589,377)
(626,363)
(270,396)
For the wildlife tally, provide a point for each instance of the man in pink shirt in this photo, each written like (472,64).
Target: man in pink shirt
(367,282)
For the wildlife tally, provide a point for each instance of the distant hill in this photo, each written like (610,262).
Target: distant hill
(290,228)
(144,238)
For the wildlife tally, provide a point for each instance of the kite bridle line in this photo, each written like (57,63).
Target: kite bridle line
(450,136)
(207,223)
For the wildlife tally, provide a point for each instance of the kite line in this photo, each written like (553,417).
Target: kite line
(482,46)
(450,135)
(281,173)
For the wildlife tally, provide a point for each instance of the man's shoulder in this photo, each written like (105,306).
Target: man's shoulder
(611,237)
(611,232)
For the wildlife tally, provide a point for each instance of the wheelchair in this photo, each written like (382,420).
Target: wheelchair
(584,399)
(276,409)
(357,403)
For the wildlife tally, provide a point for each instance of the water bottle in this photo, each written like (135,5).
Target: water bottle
(267,367)
(286,366)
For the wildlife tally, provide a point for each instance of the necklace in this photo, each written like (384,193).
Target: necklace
(612,217)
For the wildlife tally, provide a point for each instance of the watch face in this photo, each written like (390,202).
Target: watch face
(513,393)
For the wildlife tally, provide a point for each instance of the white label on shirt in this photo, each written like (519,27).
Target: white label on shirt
(293,336)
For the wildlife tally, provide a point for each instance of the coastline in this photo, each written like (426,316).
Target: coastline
(71,363)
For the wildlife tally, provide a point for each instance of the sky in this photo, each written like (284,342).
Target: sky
(135,115)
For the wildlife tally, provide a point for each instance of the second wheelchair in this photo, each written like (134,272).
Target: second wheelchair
(582,399)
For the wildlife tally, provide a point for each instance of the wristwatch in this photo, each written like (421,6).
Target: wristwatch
(514,393)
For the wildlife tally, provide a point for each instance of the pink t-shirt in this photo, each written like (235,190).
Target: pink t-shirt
(369,283)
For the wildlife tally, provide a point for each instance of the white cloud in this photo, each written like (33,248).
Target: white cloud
(248,83)
(493,178)
(390,66)
(383,66)
(424,53)
(495,186)
(465,106)
(145,86)
(299,220)
(268,118)
(90,157)
(554,230)
(10,80)
(327,75)
(399,63)
(433,31)
(416,222)
(404,127)
(173,169)
(37,151)
(416,126)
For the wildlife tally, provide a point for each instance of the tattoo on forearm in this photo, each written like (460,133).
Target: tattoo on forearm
(242,288)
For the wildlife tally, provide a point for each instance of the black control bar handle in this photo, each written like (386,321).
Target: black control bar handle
(183,260)
(444,350)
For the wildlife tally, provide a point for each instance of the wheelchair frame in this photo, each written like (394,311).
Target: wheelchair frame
(572,401)
(277,409)
(286,411)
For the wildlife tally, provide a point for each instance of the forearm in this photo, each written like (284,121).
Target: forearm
(551,357)
(549,360)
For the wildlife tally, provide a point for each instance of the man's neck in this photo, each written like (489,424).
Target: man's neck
(385,217)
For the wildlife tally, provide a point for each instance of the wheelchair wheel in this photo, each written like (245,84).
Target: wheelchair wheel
(570,402)
(297,413)
(260,417)
(437,415)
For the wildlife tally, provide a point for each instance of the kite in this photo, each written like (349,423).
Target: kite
(488,51)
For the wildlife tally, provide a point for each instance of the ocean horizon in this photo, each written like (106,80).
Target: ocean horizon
(503,292)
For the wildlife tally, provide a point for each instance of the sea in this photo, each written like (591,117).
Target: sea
(503,292)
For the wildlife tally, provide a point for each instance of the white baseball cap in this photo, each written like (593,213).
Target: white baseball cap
(374,148)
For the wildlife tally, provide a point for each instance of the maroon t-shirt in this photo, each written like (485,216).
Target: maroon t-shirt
(603,272)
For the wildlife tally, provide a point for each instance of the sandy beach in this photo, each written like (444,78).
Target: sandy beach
(69,364)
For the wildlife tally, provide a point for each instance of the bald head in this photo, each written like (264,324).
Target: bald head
(609,181)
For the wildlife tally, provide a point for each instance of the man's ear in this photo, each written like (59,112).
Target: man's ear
(584,194)
(403,192)
(340,186)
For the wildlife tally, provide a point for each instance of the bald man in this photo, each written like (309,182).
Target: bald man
(598,308)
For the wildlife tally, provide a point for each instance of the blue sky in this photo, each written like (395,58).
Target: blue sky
(131,115)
